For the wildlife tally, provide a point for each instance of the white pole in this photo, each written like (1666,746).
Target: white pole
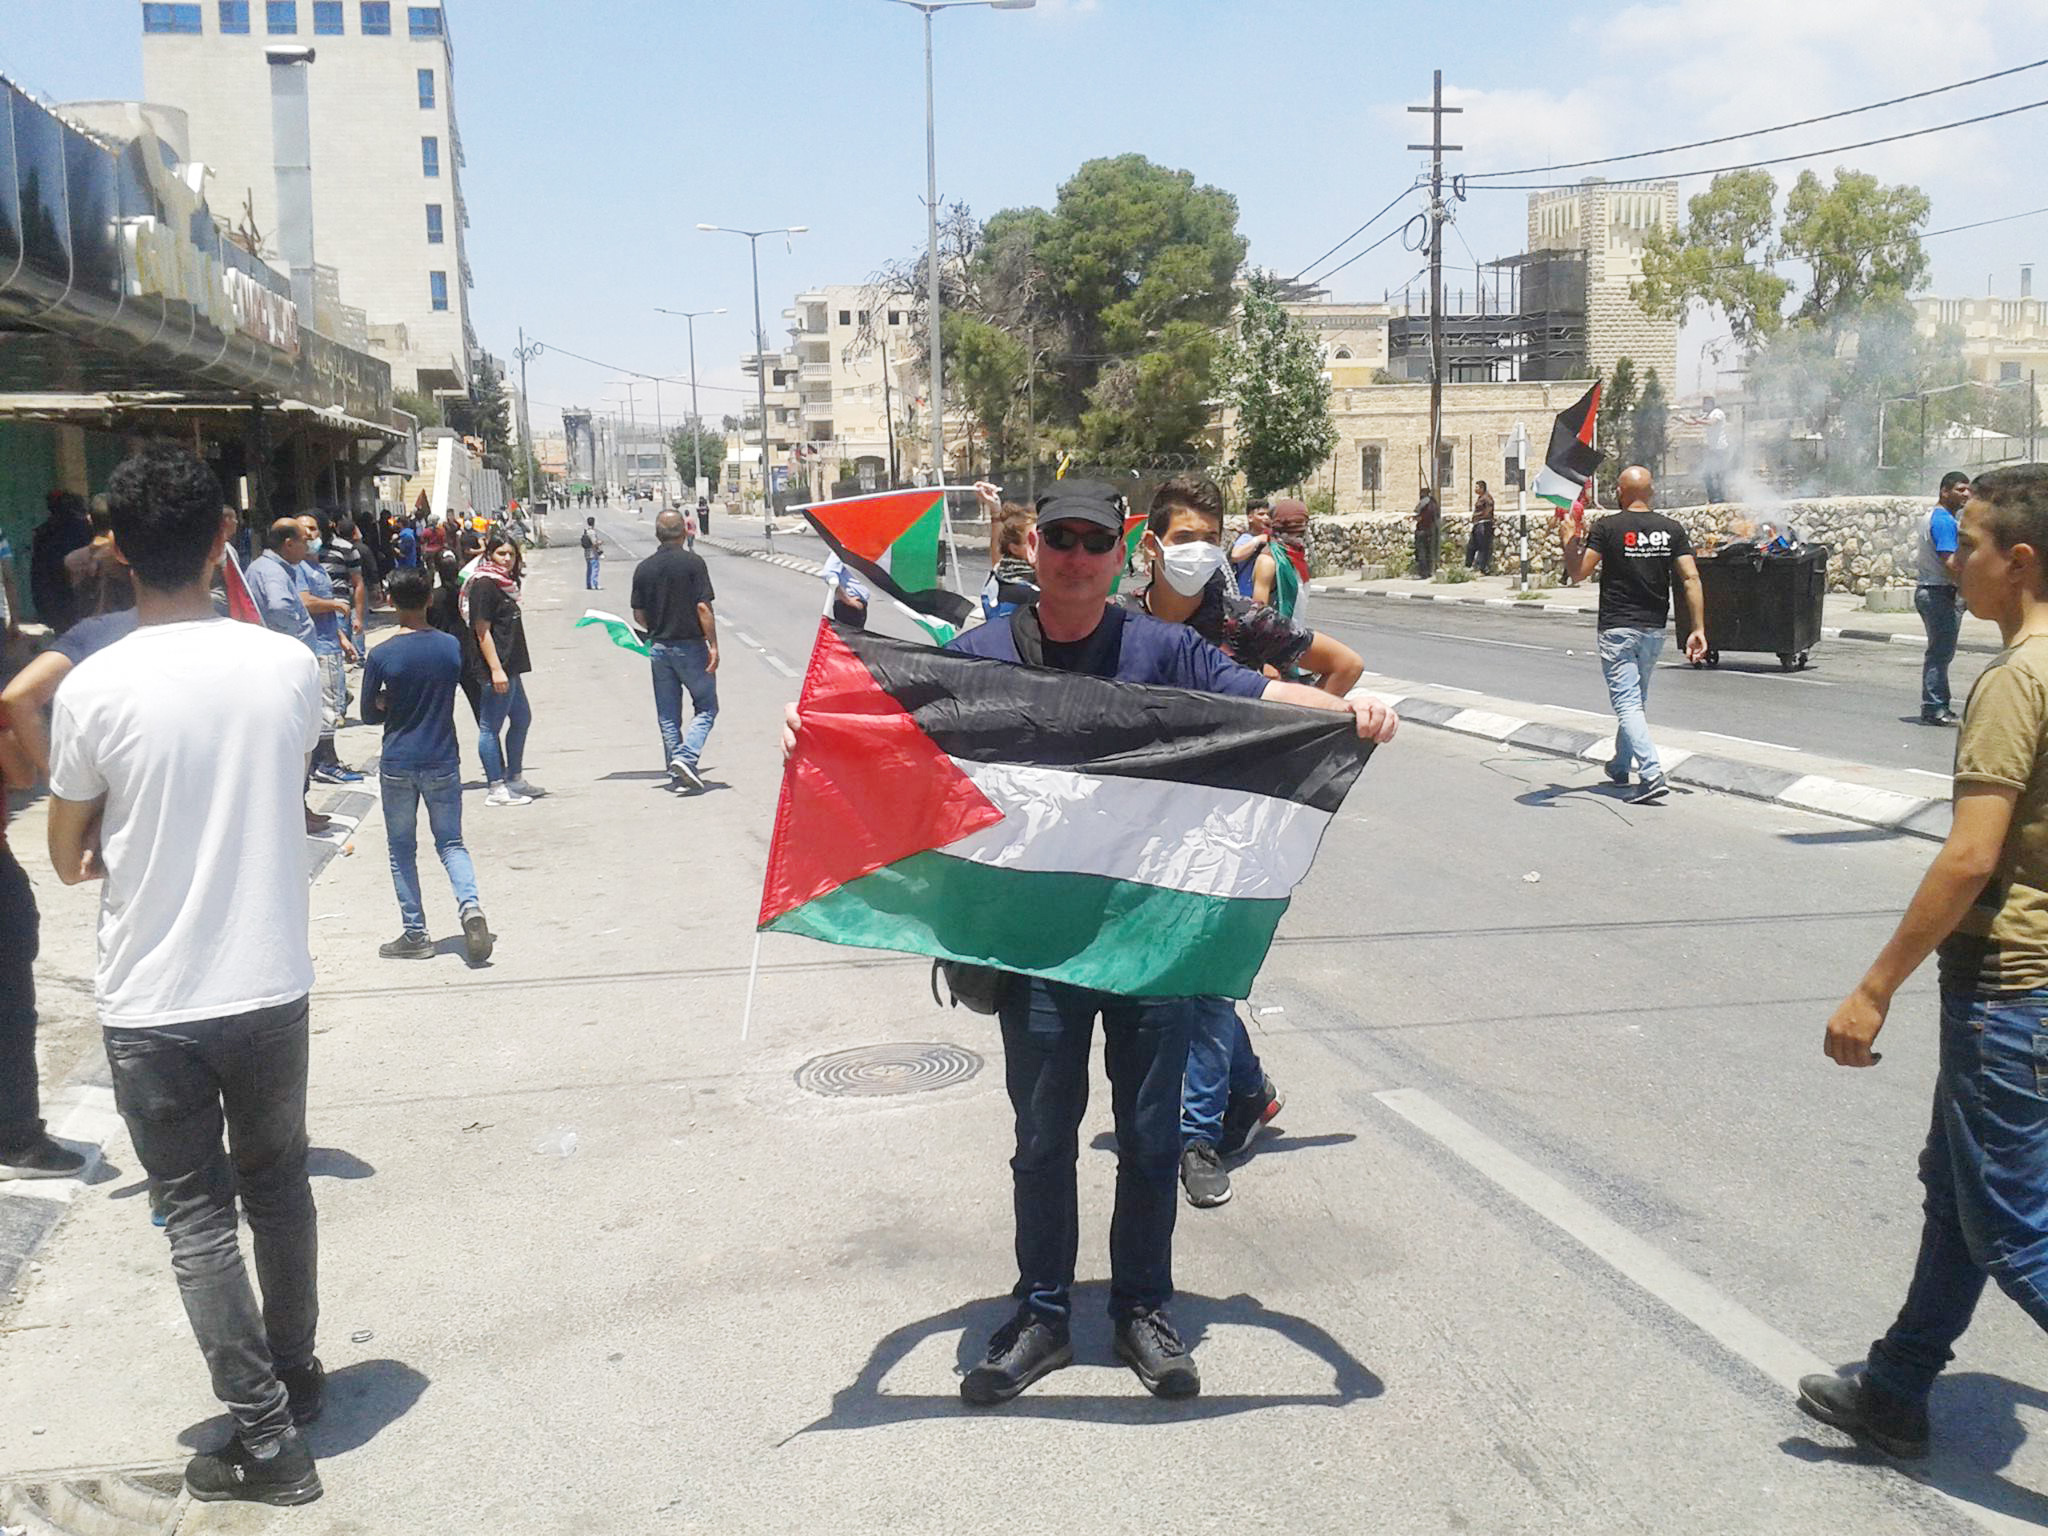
(753,974)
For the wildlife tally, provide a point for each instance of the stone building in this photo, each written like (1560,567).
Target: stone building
(1353,337)
(1383,440)
(2004,340)
(1610,221)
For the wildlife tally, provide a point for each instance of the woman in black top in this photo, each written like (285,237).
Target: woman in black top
(491,607)
(444,612)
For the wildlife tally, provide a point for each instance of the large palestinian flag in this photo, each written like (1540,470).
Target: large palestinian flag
(892,539)
(1568,466)
(1140,840)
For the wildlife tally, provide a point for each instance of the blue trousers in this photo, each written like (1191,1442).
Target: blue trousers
(1221,1066)
(508,712)
(590,568)
(403,793)
(1627,658)
(681,667)
(1943,617)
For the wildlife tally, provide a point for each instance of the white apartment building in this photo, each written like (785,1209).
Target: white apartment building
(845,401)
(387,156)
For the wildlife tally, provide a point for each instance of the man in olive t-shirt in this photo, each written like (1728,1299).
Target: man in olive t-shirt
(1984,904)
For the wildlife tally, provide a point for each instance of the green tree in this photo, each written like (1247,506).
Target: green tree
(1860,239)
(1279,391)
(1722,257)
(1650,432)
(422,406)
(486,414)
(1616,425)
(985,368)
(696,436)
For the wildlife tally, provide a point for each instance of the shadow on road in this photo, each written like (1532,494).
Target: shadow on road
(864,1405)
(333,1163)
(1977,1431)
(362,1399)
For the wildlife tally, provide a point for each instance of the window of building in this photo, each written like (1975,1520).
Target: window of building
(281,17)
(430,155)
(846,317)
(1446,465)
(234,18)
(423,20)
(863,317)
(1372,458)
(2008,373)
(437,288)
(376,18)
(1342,354)
(171,18)
(895,317)
(426,90)
(327,18)
(434,235)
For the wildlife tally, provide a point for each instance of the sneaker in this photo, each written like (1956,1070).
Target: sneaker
(505,794)
(1616,775)
(1202,1175)
(306,1386)
(236,1472)
(477,937)
(1022,1350)
(1895,1425)
(523,786)
(1651,791)
(1149,1345)
(336,773)
(684,774)
(41,1159)
(408,946)
(1941,717)
(1249,1114)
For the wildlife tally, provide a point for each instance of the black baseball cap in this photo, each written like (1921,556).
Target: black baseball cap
(1082,501)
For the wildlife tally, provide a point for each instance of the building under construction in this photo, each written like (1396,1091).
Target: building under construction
(1522,320)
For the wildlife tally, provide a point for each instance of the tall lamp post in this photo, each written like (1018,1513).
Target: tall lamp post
(526,351)
(753,239)
(931,210)
(691,316)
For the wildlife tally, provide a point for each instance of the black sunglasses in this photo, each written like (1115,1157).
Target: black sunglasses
(1062,536)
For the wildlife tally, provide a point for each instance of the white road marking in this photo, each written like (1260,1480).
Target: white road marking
(1929,773)
(1784,1360)
(1506,645)
(1447,688)
(778,664)
(746,639)
(1750,741)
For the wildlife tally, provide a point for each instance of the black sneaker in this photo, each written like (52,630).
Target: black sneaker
(1941,717)
(306,1386)
(1148,1344)
(41,1159)
(477,937)
(1650,792)
(1247,1115)
(1022,1350)
(408,946)
(1895,1425)
(685,773)
(234,1472)
(1202,1175)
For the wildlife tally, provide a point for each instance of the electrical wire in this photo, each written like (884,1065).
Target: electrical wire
(638,373)
(1751,165)
(1383,239)
(1368,224)
(1752,133)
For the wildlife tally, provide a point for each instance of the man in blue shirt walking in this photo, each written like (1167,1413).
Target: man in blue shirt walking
(1934,595)
(409,687)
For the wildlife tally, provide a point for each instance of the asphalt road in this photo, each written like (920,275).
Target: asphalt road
(1563,1193)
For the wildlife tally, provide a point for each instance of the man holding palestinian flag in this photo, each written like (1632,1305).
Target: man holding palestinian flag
(1280,574)
(1119,840)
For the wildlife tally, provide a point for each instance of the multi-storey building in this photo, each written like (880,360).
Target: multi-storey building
(848,393)
(387,155)
(1609,222)
(2005,341)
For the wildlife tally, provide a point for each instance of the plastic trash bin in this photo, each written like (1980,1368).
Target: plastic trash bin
(1764,602)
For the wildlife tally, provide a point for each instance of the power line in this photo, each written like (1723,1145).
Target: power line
(637,373)
(1751,165)
(1383,239)
(1368,224)
(1752,133)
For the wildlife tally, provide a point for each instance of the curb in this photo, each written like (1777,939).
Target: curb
(1575,610)
(81,1113)
(1910,815)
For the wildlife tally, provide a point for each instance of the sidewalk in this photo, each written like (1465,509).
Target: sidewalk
(1843,615)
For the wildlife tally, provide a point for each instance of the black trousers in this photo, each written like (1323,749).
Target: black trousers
(21,1123)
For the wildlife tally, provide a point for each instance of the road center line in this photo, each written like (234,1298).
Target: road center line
(1750,741)
(1721,1318)
(746,639)
(778,664)
(1510,645)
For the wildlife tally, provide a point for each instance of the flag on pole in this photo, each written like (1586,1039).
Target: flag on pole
(1147,844)
(892,539)
(1134,530)
(240,604)
(1569,465)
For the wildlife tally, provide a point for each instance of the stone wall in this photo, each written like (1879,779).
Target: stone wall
(1872,538)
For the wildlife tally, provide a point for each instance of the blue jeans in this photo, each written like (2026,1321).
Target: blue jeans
(1221,1066)
(590,565)
(403,792)
(508,712)
(1985,1169)
(684,665)
(1627,658)
(1942,613)
(1047,1028)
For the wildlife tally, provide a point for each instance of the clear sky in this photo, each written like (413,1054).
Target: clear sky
(599,132)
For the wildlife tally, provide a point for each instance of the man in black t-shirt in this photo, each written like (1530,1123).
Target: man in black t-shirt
(672,600)
(1639,548)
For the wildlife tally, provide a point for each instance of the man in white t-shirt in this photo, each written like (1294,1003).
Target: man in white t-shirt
(176,760)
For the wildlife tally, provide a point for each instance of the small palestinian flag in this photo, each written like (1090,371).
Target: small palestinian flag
(892,539)
(1134,533)
(236,586)
(623,635)
(1572,458)
(1140,840)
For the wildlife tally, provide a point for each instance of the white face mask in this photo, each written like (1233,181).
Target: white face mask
(1188,567)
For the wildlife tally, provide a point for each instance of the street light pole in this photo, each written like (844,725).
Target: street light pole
(753,239)
(523,352)
(690,317)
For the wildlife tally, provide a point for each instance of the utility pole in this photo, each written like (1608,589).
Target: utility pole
(1436,147)
(525,419)
(661,442)
(1031,414)
(633,434)
(889,414)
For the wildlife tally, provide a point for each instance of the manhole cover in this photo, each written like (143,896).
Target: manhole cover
(877,1071)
